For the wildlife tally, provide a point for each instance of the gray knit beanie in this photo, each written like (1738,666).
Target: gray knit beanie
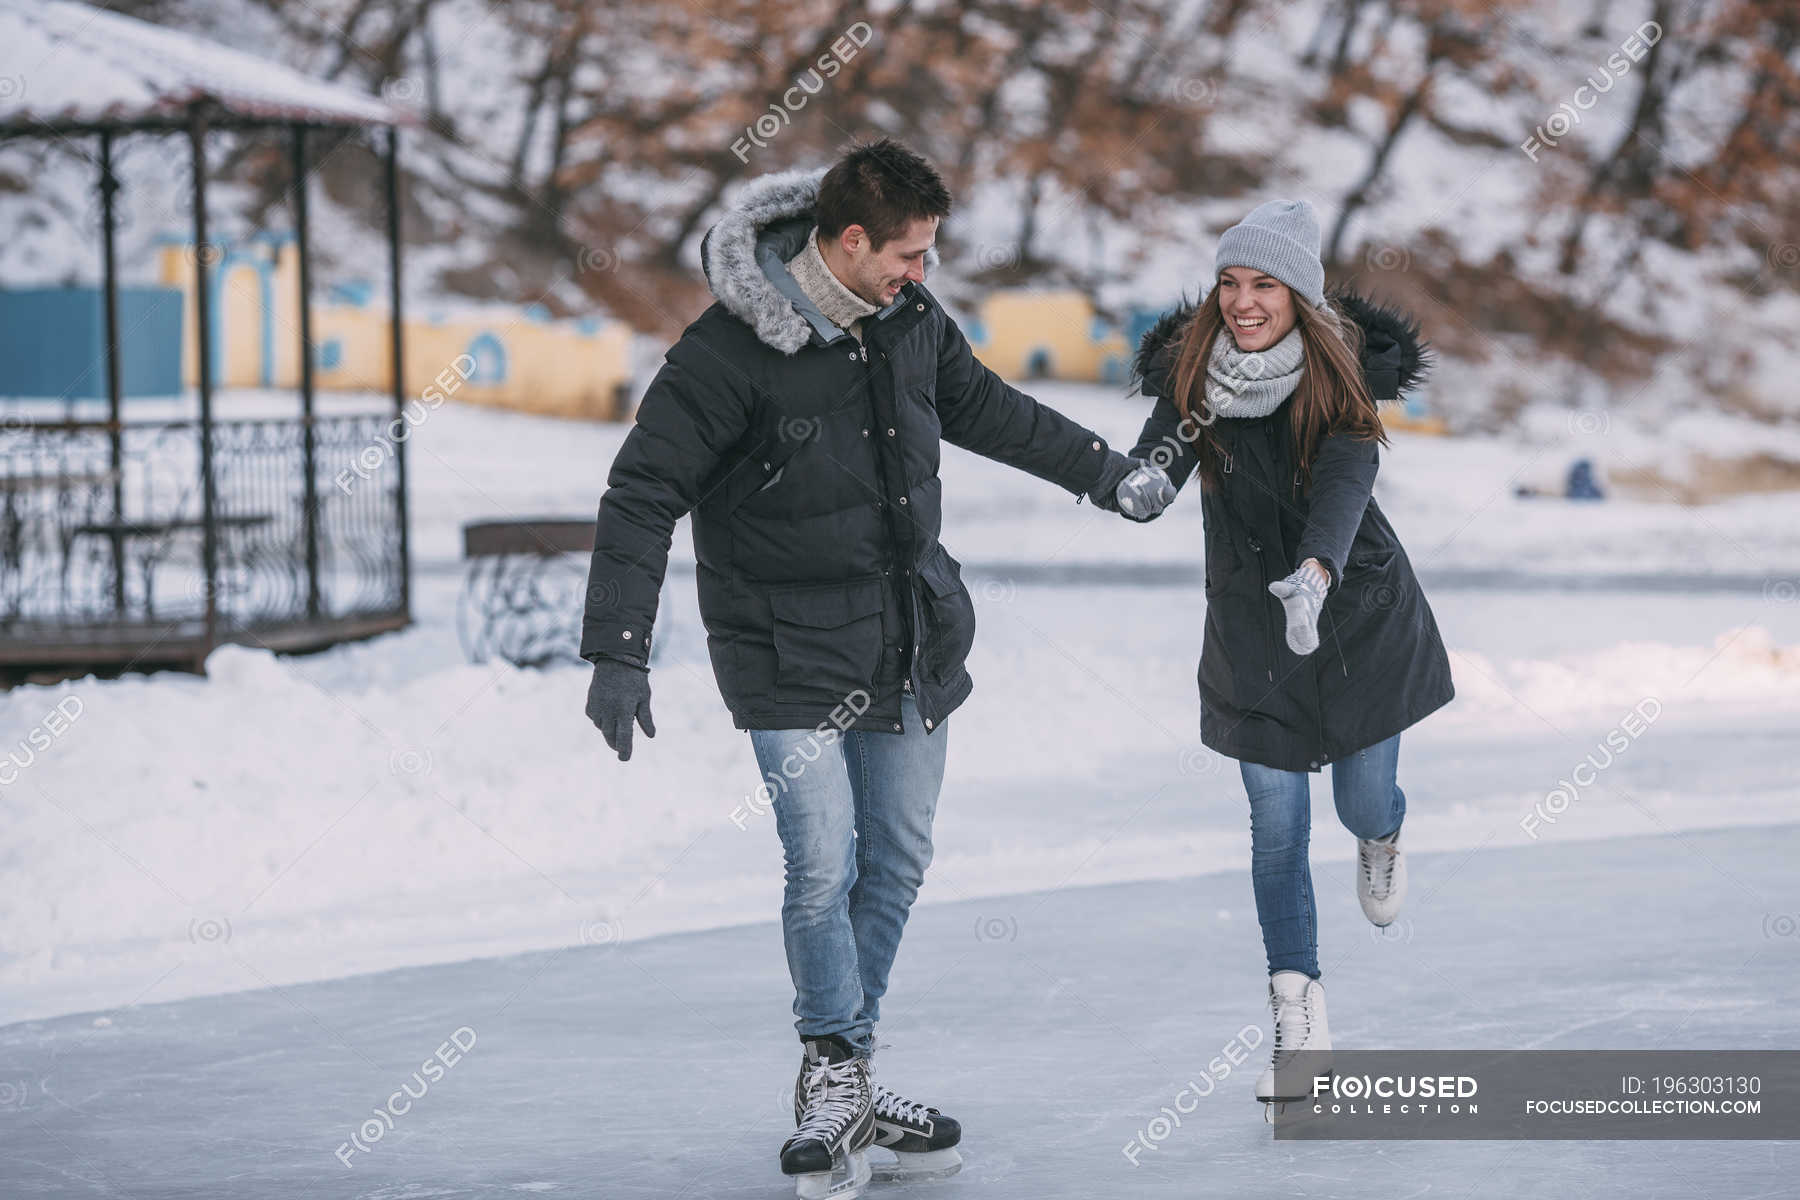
(1279,238)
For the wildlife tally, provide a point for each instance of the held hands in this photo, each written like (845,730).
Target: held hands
(1132,488)
(1302,595)
(1145,492)
(618,693)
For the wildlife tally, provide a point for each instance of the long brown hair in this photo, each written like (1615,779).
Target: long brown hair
(1332,396)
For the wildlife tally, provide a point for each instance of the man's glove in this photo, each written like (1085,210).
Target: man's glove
(1302,595)
(618,693)
(1112,473)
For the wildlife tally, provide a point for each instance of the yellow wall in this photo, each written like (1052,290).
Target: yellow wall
(551,367)
(1017,325)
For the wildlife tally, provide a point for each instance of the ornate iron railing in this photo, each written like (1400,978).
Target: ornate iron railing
(104,528)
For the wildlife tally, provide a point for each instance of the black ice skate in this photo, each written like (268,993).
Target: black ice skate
(922,1139)
(834,1114)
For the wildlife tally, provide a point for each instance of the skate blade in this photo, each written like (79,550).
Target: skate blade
(919,1164)
(1275,1104)
(846,1180)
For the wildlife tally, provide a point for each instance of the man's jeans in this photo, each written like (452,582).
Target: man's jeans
(854,811)
(1369,803)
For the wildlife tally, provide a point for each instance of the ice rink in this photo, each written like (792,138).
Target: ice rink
(1054,1025)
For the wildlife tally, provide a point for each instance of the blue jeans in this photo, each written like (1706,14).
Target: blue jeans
(854,812)
(1369,803)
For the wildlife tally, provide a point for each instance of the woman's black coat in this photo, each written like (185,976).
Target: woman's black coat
(1380,665)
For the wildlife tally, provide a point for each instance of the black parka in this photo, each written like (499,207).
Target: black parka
(1380,665)
(810,465)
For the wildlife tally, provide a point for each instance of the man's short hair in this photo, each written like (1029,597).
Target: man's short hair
(882,186)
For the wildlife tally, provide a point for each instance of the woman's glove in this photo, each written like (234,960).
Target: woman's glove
(1302,595)
(1145,492)
(1131,487)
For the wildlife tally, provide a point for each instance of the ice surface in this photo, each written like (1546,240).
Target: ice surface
(1054,1025)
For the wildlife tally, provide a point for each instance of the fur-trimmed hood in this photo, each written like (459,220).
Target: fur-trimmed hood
(745,257)
(1394,357)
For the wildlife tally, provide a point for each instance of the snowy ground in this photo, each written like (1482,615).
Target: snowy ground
(1055,1025)
(387,804)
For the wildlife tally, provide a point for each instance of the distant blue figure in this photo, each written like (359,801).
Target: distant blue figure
(1583,485)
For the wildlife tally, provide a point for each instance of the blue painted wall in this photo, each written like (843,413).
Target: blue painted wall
(53,342)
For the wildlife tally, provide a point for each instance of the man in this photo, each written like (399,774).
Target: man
(799,420)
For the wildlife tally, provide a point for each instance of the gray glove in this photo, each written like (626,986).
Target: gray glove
(1145,492)
(1302,595)
(618,693)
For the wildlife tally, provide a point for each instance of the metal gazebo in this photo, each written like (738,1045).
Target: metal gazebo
(136,542)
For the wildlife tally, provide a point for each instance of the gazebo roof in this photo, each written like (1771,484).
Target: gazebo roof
(72,66)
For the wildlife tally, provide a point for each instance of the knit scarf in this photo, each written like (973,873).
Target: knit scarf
(837,303)
(1252,383)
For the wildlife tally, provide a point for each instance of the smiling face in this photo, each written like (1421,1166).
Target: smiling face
(877,275)
(1258,308)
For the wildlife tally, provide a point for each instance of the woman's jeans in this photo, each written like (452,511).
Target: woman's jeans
(854,813)
(1369,803)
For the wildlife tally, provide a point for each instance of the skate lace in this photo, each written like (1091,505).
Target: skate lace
(1378,868)
(892,1106)
(1293,1026)
(831,1100)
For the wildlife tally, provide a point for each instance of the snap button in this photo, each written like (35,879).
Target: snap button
(921,308)
(765,466)
(865,433)
(626,635)
(1096,445)
(853,355)
(890,433)
(928,722)
(896,728)
(903,499)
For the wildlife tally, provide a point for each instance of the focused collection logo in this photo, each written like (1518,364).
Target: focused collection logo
(1395,1095)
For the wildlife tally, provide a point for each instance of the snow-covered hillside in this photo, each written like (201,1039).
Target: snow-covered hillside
(1438,139)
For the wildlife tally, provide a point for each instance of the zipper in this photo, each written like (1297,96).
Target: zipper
(913,683)
(1262,572)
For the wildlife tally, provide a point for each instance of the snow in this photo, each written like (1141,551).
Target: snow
(388,804)
(76,63)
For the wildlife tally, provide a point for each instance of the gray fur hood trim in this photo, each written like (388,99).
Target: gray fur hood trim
(738,274)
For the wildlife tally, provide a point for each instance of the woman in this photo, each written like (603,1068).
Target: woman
(1319,646)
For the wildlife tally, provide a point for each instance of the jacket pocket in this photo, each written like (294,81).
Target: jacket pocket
(762,468)
(827,639)
(1370,579)
(1369,560)
(949,617)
